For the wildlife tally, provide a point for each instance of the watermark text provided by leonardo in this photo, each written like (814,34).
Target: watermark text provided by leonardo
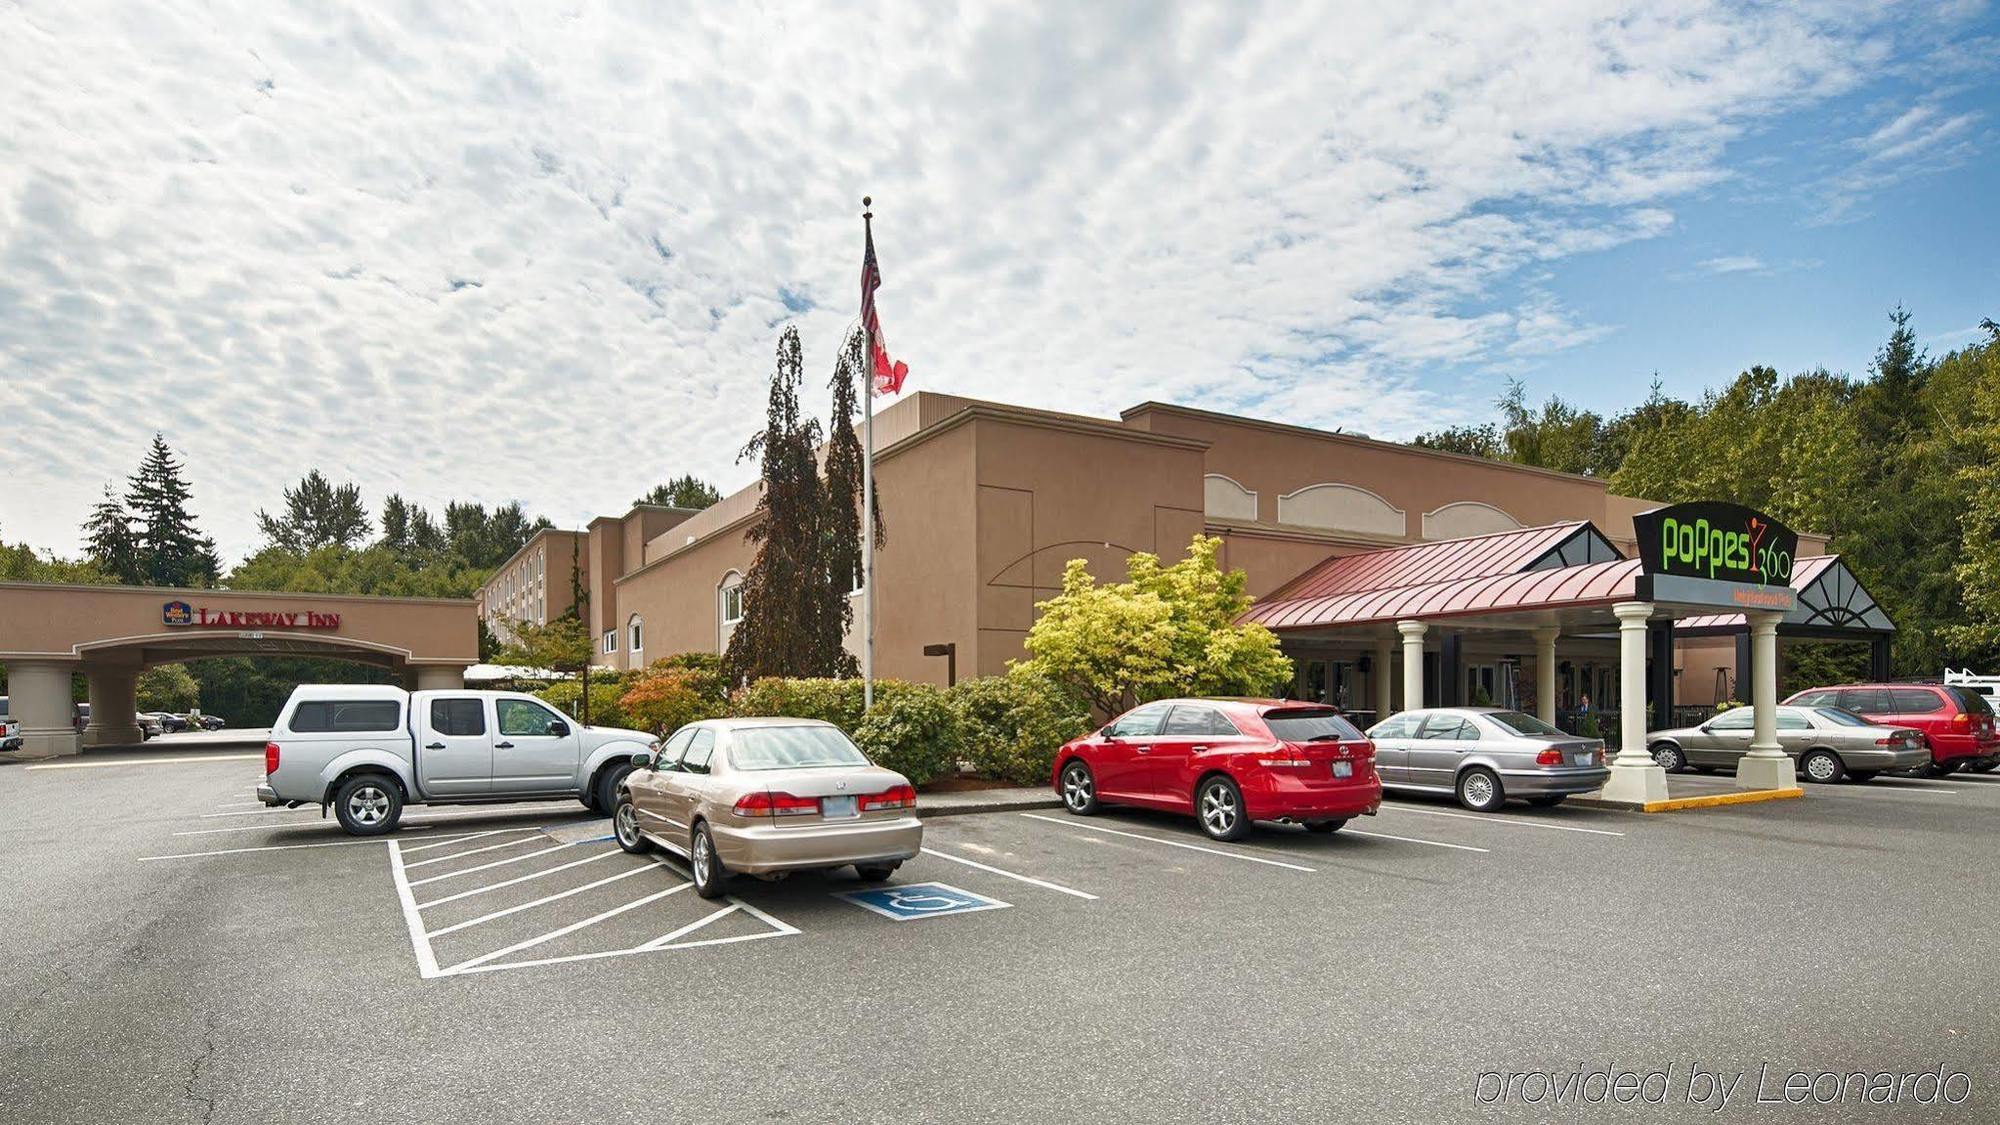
(1718,1088)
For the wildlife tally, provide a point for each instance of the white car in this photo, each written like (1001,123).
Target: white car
(368,751)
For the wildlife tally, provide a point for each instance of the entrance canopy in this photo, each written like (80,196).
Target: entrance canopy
(48,633)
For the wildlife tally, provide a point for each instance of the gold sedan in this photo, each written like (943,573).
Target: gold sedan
(767,797)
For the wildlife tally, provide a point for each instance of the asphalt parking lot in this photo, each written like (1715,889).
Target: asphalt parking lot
(177,953)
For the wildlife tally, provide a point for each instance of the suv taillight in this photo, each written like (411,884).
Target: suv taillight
(895,797)
(270,758)
(1549,757)
(1961,722)
(776,804)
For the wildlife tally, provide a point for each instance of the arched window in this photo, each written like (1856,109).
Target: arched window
(732,598)
(635,639)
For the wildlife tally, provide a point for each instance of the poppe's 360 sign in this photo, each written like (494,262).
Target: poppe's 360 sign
(1716,553)
(180,613)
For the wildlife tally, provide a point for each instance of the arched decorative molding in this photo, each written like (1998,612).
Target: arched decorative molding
(1462,518)
(1223,498)
(1342,507)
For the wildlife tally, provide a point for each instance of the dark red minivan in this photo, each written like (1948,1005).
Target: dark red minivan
(1226,761)
(1957,722)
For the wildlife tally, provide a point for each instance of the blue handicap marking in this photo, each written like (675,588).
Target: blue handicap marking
(911,901)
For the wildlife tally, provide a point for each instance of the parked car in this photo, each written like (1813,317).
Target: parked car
(1484,755)
(212,722)
(10,730)
(80,716)
(1824,743)
(369,751)
(1226,761)
(1957,723)
(1987,686)
(767,797)
(149,725)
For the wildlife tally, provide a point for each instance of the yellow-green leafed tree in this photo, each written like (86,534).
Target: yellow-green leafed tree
(1164,631)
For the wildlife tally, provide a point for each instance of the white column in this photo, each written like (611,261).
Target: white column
(38,695)
(1413,663)
(1766,766)
(440,677)
(1545,674)
(1385,660)
(114,702)
(1635,776)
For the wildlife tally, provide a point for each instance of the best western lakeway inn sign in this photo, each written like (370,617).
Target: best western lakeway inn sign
(1715,554)
(181,613)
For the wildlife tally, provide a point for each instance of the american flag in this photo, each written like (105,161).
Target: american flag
(889,374)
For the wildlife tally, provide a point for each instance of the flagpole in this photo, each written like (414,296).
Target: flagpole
(867,500)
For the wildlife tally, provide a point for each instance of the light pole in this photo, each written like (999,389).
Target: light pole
(948,650)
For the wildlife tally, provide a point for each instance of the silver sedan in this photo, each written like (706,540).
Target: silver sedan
(1825,744)
(1484,755)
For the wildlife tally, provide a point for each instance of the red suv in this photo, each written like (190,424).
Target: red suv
(1227,761)
(1957,722)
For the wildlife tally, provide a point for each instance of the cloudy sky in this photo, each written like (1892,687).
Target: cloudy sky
(543,252)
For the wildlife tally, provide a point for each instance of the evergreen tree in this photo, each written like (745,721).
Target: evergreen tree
(171,549)
(317,514)
(785,606)
(108,540)
(686,491)
(396,525)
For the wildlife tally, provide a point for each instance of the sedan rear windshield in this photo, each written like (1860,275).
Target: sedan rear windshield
(1844,718)
(1522,723)
(791,748)
(1303,725)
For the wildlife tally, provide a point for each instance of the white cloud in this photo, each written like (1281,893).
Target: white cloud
(1732,263)
(460,250)
(1920,140)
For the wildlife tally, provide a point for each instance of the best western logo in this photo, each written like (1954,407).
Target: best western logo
(180,613)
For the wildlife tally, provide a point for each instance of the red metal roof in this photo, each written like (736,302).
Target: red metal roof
(1419,564)
(1590,584)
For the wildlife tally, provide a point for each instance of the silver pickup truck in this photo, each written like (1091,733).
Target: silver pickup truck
(367,751)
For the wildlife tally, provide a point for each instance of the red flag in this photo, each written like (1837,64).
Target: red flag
(889,373)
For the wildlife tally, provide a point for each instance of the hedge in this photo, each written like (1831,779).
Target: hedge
(1014,724)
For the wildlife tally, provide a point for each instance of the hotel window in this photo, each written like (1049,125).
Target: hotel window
(611,640)
(732,600)
(635,636)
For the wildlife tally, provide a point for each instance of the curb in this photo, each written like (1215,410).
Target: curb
(1676,804)
(985,807)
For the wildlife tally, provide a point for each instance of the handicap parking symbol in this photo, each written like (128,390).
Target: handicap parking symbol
(911,901)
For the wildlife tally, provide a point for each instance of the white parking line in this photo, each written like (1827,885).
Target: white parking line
(1504,820)
(1011,875)
(556,897)
(459,839)
(1414,840)
(266,848)
(475,851)
(429,818)
(569,929)
(420,942)
(495,863)
(261,812)
(606,854)
(1092,828)
(602,954)
(177,760)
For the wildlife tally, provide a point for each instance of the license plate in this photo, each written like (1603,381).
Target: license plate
(838,808)
(1343,769)
(1585,759)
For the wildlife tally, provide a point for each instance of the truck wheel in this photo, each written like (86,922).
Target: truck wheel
(606,793)
(368,805)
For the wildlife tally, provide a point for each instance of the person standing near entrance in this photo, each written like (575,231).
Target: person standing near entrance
(1583,708)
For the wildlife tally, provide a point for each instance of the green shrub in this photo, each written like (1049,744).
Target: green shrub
(606,688)
(914,730)
(832,701)
(1014,724)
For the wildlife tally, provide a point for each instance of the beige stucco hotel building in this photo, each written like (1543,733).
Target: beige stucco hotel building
(986,503)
